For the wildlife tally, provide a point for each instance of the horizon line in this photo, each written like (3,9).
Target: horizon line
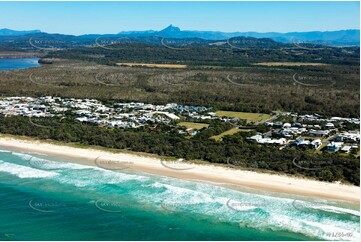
(249,31)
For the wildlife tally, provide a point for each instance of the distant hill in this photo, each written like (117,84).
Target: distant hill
(10,32)
(333,38)
(174,36)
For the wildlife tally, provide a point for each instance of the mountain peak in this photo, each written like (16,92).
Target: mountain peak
(170,29)
(10,32)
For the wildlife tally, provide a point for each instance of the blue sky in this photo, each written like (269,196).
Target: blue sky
(113,17)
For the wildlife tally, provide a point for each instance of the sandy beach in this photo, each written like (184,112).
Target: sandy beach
(179,169)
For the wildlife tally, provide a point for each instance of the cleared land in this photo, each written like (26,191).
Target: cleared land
(153,65)
(250,117)
(193,125)
(290,64)
(229,132)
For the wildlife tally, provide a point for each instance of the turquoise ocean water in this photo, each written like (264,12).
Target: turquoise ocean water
(18,63)
(47,198)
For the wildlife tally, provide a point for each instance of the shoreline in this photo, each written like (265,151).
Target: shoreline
(188,171)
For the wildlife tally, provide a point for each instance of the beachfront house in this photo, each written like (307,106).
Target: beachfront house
(330,126)
(346,149)
(287,125)
(334,146)
(255,138)
(315,144)
(318,133)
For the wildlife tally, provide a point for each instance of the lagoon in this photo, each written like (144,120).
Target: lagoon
(7,64)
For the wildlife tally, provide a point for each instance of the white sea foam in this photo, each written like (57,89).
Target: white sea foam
(23,156)
(331,229)
(95,176)
(24,171)
(282,218)
(269,212)
(37,153)
(322,206)
(276,213)
(5,151)
(46,164)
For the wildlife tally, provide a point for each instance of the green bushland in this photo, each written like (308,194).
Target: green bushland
(164,140)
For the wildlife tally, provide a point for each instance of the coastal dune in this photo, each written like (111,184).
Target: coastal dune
(178,169)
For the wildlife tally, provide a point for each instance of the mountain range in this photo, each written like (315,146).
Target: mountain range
(10,32)
(332,38)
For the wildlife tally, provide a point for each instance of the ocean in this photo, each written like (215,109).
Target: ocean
(18,63)
(48,198)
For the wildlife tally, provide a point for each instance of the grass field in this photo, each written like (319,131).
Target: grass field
(153,65)
(319,150)
(289,64)
(251,117)
(229,132)
(193,125)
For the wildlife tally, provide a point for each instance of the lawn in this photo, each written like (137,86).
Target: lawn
(229,132)
(290,64)
(320,149)
(251,117)
(152,65)
(193,125)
